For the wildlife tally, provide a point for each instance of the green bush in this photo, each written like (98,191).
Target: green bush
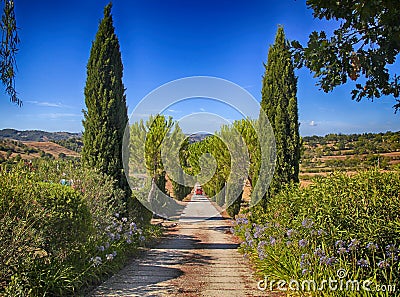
(42,225)
(62,229)
(233,200)
(67,223)
(234,208)
(338,222)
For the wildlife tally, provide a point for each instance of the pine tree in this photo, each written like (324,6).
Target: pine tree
(279,101)
(106,116)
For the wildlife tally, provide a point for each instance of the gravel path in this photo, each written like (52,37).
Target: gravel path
(197,258)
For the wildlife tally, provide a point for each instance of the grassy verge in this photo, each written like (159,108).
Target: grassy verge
(340,228)
(63,229)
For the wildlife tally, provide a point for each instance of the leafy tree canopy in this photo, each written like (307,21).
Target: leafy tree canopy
(360,49)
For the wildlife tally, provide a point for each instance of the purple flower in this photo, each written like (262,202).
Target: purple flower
(305,256)
(391,252)
(111,236)
(109,257)
(290,232)
(340,243)
(327,260)
(323,260)
(372,246)
(288,243)
(353,244)
(342,250)
(303,242)
(305,271)
(391,248)
(331,260)
(383,264)
(96,261)
(304,263)
(307,223)
(261,244)
(242,221)
(249,239)
(319,252)
(133,226)
(260,250)
(321,232)
(259,231)
(272,240)
(363,263)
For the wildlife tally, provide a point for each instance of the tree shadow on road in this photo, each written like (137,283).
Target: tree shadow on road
(149,275)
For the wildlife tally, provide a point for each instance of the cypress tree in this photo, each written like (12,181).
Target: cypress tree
(106,116)
(279,101)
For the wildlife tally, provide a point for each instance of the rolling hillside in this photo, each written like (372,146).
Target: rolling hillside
(36,135)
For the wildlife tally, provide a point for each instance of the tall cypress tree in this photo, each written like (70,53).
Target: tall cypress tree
(106,116)
(279,101)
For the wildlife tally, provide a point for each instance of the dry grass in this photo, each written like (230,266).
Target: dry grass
(51,148)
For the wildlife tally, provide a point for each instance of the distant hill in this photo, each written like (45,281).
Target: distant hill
(37,135)
(322,155)
(197,137)
(12,151)
(60,137)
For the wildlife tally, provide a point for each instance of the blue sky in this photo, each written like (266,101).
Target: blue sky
(163,41)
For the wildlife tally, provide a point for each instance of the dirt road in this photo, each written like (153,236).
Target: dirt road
(197,258)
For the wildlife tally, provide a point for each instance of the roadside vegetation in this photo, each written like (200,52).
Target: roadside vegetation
(337,225)
(63,229)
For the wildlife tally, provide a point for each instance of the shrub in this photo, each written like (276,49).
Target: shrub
(339,222)
(234,208)
(56,239)
(67,217)
(233,200)
(42,225)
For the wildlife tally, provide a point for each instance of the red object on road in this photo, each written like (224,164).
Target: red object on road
(199,191)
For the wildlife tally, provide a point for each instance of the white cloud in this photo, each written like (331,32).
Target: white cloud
(46,103)
(173,110)
(202,109)
(312,123)
(56,115)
